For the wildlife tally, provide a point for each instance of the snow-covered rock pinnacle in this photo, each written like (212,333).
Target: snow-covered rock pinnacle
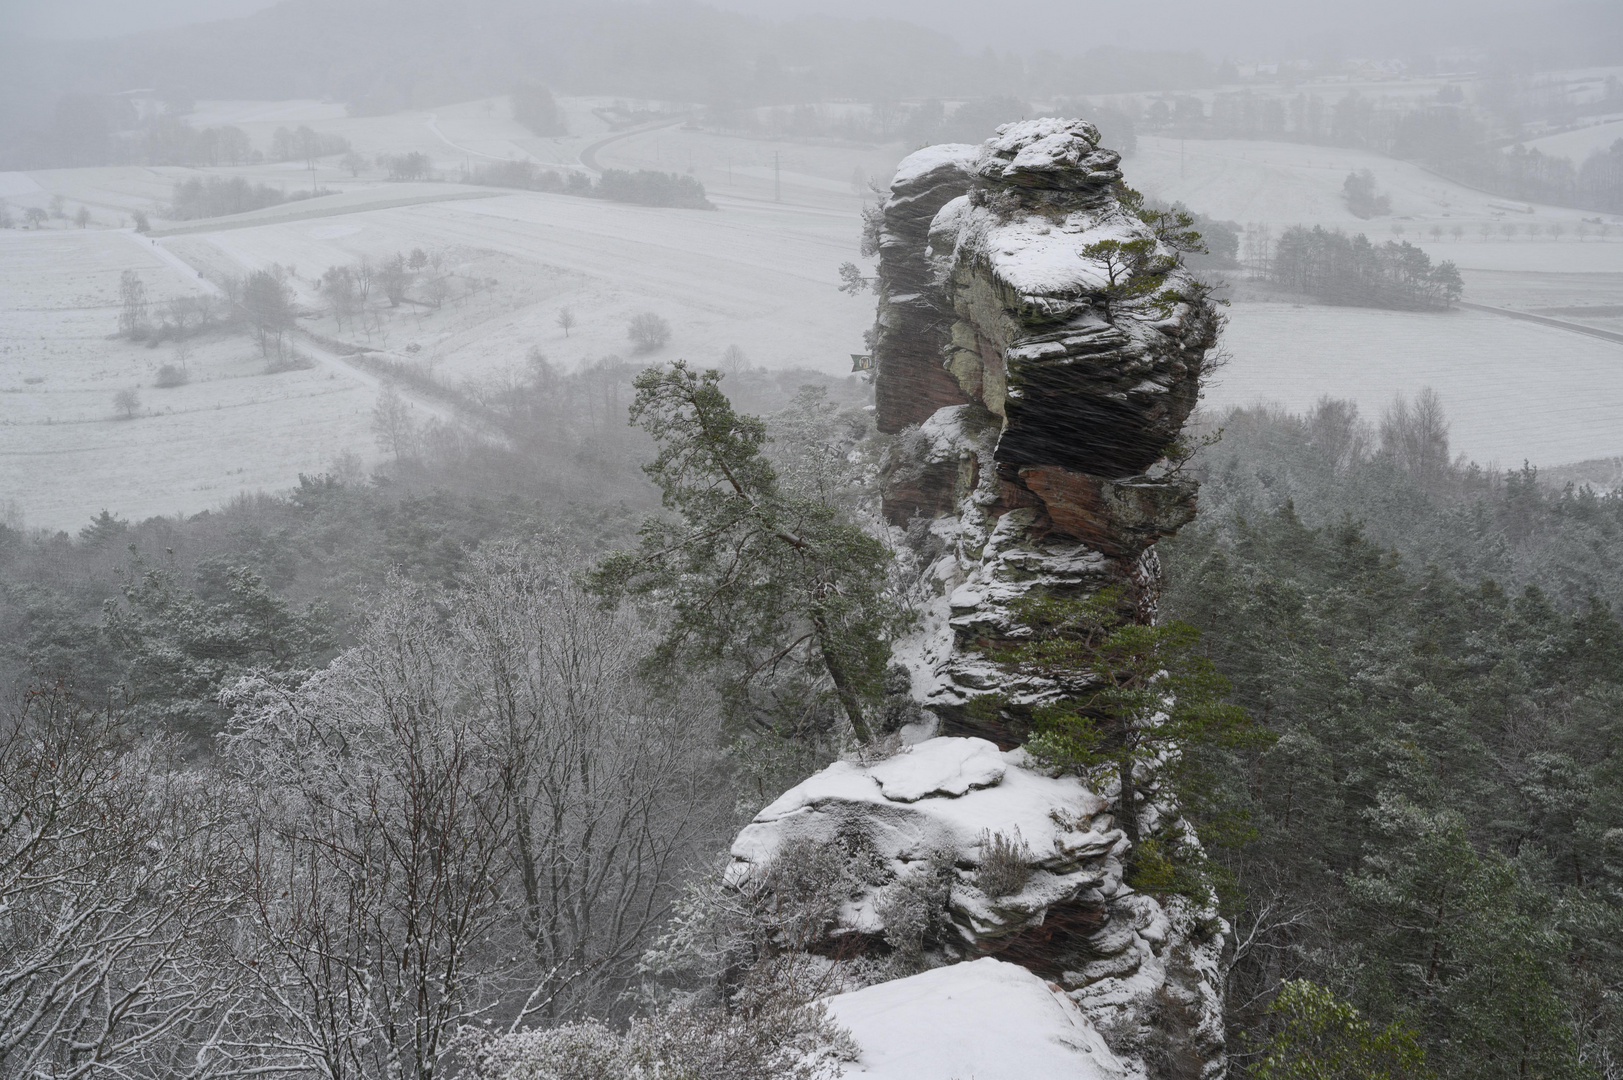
(1038,350)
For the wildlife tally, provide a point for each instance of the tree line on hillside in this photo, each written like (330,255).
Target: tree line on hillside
(108,130)
(304,144)
(1476,145)
(1341,269)
(643,187)
(216,196)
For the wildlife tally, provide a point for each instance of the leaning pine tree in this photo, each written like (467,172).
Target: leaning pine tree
(774,591)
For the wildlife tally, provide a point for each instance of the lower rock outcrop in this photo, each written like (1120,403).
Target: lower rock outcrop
(1021,867)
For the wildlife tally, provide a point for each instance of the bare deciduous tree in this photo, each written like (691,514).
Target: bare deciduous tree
(479,812)
(396,277)
(114,887)
(373,856)
(611,788)
(132,303)
(268,304)
(393,427)
(648,332)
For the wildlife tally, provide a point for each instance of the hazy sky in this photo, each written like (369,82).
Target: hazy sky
(1067,26)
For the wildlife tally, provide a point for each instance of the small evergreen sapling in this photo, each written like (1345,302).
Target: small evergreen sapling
(1129,698)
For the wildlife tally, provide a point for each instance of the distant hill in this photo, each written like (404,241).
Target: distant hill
(380,56)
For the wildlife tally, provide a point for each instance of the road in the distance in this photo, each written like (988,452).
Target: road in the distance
(588,154)
(1576,328)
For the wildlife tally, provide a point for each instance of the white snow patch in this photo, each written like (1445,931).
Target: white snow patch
(333,232)
(956,790)
(921,162)
(17,183)
(986,1019)
(1022,135)
(941,766)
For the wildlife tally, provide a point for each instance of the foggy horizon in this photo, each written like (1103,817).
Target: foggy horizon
(1269,29)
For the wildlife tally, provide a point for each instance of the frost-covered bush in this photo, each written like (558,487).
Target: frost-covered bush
(914,911)
(171,375)
(781,1041)
(757,942)
(1005,864)
(588,1050)
(798,1042)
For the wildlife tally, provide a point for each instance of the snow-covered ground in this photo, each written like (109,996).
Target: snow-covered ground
(759,272)
(1282,184)
(986,1020)
(756,273)
(1579,143)
(65,452)
(1512,390)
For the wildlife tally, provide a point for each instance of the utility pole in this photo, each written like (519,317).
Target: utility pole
(777,179)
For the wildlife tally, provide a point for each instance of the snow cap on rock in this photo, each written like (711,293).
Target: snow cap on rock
(986,1019)
(1049,152)
(939,767)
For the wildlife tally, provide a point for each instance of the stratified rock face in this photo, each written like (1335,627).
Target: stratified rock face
(1038,350)
(1076,343)
(1033,866)
(914,325)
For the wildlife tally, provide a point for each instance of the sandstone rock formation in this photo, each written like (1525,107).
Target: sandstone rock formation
(1076,346)
(1038,350)
(1037,353)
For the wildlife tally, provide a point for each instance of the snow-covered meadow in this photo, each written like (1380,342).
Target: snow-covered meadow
(1512,390)
(760,272)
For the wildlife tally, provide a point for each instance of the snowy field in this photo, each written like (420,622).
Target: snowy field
(1282,184)
(756,273)
(1512,390)
(66,453)
(1578,144)
(759,272)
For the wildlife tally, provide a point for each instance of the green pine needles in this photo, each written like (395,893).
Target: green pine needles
(776,591)
(1319,1037)
(1135,700)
